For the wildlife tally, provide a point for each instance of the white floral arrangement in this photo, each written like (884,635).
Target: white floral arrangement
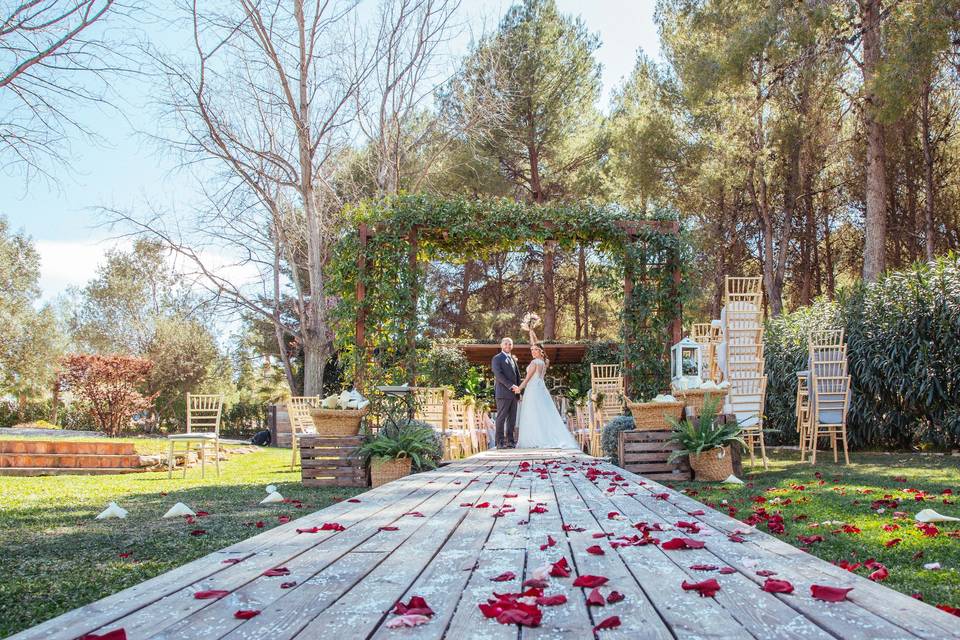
(530,321)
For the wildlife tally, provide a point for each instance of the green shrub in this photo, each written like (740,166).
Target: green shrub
(610,438)
(443,365)
(785,353)
(903,349)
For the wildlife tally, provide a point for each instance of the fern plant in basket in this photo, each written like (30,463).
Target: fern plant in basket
(706,442)
(395,450)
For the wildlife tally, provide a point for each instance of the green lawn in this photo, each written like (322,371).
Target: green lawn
(55,557)
(812,505)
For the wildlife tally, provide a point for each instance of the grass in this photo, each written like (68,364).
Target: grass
(812,505)
(55,557)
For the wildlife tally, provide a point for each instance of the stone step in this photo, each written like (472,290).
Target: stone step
(63,471)
(69,461)
(106,447)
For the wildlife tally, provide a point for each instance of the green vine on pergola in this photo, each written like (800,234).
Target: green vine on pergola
(376,273)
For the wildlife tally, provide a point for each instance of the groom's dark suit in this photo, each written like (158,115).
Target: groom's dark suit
(506,374)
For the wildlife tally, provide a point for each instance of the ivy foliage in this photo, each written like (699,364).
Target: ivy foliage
(451,230)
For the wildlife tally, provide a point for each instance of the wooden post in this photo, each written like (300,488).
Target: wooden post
(628,275)
(676,325)
(412,320)
(361,327)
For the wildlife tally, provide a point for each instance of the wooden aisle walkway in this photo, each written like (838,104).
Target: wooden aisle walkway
(435,535)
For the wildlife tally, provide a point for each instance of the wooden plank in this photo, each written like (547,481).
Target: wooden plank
(365,606)
(639,618)
(443,581)
(285,612)
(687,615)
(557,621)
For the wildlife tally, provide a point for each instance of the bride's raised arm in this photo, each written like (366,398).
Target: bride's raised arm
(533,337)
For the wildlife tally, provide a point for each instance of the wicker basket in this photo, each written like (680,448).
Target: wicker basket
(653,415)
(713,465)
(384,470)
(338,422)
(694,398)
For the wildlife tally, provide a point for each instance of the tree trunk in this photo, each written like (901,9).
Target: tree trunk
(581,277)
(315,356)
(875,223)
(928,163)
(464,301)
(828,256)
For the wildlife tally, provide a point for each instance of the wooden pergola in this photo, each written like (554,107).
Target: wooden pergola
(559,353)
(633,229)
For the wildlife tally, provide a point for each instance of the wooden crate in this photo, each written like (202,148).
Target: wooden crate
(646,453)
(330,461)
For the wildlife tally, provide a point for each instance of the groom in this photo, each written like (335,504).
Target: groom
(506,392)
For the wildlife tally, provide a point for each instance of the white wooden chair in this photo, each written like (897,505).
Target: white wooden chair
(203,428)
(746,401)
(831,400)
(300,422)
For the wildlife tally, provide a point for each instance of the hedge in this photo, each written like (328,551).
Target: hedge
(903,347)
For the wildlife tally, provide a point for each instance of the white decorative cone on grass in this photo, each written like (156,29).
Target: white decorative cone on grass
(929,515)
(272,495)
(732,479)
(112,511)
(179,509)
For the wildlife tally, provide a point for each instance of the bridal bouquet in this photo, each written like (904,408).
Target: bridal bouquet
(530,321)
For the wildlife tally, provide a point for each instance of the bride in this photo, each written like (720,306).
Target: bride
(539,422)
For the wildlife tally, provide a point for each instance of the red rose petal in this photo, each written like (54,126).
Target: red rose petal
(608,623)
(535,583)
(415,606)
(727,571)
(766,573)
(116,634)
(198,532)
(246,614)
(232,560)
(704,567)
(706,588)
(953,610)
(287,585)
(683,543)
(589,581)
(503,577)
(772,585)
(310,530)
(211,594)
(560,569)
(552,601)
(880,574)
(892,542)
(276,571)
(550,542)
(829,594)
(332,526)
(596,550)
(595,599)
(389,528)
(615,596)
(354,500)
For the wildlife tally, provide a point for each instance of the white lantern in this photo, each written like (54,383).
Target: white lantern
(686,362)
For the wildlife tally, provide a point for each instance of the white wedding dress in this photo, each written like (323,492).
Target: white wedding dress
(539,422)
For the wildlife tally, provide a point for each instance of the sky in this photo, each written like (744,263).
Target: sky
(122,169)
